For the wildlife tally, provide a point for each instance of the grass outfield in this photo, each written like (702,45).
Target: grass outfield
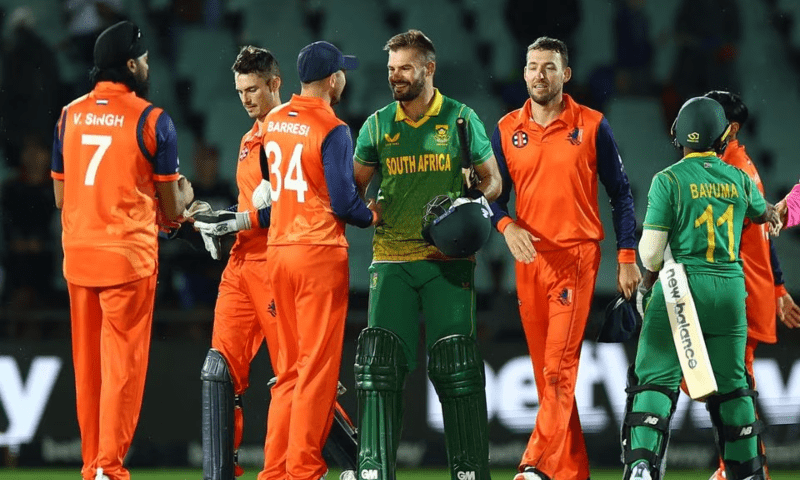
(432,474)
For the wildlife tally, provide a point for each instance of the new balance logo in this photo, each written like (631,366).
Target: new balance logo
(746,431)
(466,475)
(650,420)
(371,474)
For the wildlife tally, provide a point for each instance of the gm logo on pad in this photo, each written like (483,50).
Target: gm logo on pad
(693,137)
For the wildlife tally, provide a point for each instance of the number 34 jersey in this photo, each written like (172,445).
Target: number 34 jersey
(702,202)
(294,138)
(110,147)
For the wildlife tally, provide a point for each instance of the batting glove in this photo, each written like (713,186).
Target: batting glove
(222,222)
(641,292)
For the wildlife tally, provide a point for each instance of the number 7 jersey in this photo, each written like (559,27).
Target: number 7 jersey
(110,147)
(702,202)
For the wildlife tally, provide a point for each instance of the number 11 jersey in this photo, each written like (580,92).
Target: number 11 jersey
(702,202)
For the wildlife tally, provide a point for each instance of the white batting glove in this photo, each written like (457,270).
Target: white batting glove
(219,223)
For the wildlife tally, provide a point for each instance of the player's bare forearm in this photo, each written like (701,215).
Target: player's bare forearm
(58,191)
(769,215)
(363,175)
(490,182)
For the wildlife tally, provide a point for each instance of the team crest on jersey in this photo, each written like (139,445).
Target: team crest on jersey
(576,136)
(565,297)
(272,309)
(442,136)
(519,139)
(395,140)
(243,153)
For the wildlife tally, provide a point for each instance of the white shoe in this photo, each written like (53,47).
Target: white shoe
(718,475)
(100,475)
(347,475)
(529,473)
(641,472)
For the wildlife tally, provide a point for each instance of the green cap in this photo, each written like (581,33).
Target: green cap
(700,122)
(457,228)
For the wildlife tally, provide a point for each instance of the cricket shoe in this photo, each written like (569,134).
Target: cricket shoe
(531,473)
(641,471)
(100,476)
(347,475)
(718,475)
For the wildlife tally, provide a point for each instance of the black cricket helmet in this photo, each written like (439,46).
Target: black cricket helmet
(458,228)
(700,124)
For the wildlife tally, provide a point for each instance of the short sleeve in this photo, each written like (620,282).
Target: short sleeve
(756,205)
(366,149)
(660,205)
(480,146)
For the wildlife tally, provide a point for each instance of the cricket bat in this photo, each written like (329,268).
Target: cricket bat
(466,156)
(686,331)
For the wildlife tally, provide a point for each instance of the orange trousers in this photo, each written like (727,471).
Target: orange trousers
(243,317)
(311,286)
(110,347)
(555,295)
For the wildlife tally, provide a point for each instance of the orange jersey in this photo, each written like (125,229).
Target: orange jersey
(110,148)
(250,244)
(301,205)
(554,171)
(754,251)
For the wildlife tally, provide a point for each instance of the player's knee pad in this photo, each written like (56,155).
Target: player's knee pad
(456,369)
(380,372)
(645,419)
(218,427)
(725,432)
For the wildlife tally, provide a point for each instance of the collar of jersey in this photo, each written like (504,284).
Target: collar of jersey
(568,116)
(313,102)
(700,155)
(111,87)
(433,110)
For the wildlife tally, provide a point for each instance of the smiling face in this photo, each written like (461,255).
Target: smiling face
(407,73)
(256,95)
(545,76)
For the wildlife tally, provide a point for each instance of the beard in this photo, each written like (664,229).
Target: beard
(543,98)
(413,91)
(141,86)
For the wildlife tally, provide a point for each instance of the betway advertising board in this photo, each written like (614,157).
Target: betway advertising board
(37,406)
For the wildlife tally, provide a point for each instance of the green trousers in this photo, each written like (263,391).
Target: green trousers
(444,291)
(721,310)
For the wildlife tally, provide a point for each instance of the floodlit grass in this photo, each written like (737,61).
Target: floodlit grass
(403,474)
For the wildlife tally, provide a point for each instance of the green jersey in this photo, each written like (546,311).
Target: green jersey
(418,160)
(702,202)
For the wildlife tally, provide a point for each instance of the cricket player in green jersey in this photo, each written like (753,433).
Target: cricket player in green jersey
(696,209)
(413,142)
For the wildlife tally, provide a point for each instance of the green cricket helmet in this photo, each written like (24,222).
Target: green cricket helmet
(700,123)
(458,228)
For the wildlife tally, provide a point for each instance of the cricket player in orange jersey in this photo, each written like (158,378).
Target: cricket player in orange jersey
(244,314)
(551,151)
(309,156)
(113,154)
(763,278)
